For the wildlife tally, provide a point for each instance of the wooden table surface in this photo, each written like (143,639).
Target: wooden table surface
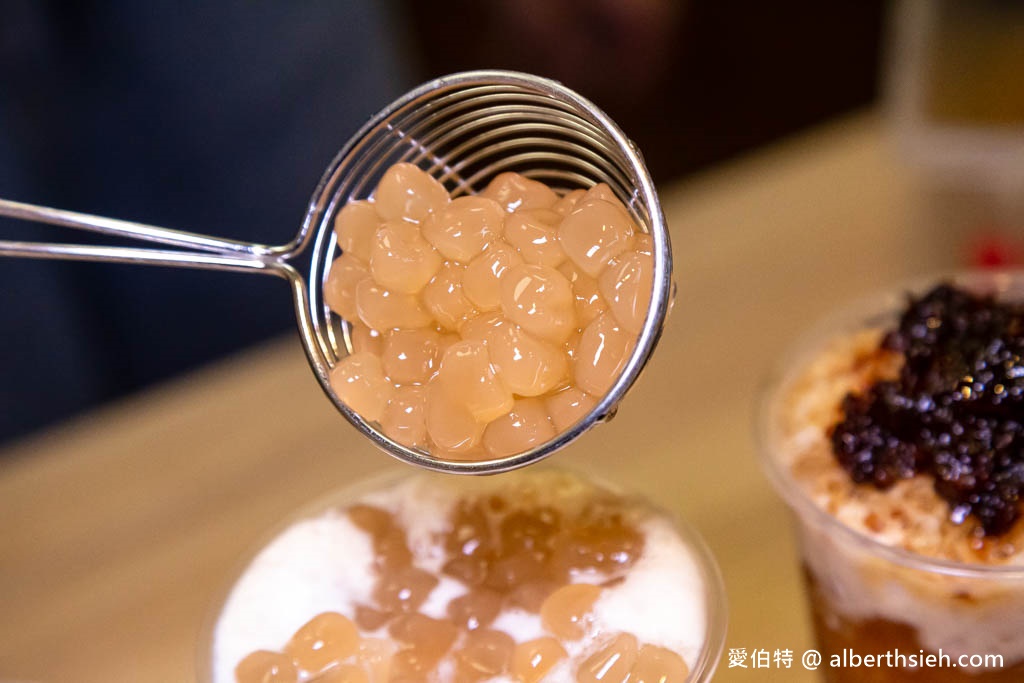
(119,529)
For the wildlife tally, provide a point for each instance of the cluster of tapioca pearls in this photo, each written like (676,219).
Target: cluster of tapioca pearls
(485,325)
(330,649)
(507,558)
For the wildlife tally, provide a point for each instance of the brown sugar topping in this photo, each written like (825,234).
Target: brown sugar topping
(954,413)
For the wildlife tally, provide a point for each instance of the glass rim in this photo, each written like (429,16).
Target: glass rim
(716,610)
(855,315)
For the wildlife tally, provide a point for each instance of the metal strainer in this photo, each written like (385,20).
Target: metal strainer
(463,129)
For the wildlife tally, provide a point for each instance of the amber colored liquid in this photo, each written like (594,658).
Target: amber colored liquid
(873,636)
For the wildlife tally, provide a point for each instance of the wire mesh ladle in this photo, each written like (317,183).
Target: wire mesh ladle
(463,129)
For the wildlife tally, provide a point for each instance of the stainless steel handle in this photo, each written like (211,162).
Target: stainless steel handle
(209,253)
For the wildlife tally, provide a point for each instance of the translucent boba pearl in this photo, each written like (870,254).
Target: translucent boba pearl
(603,192)
(461,230)
(264,666)
(405,417)
(485,654)
(356,229)
(540,300)
(340,287)
(482,280)
(572,346)
(569,406)
(391,555)
(610,664)
(567,203)
(343,673)
(466,375)
(382,309)
(484,327)
(534,233)
(369,619)
(474,454)
(373,520)
(644,244)
(359,381)
(529,366)
(626,285)
(445,297)
(447,339)
(658,665)
(476,608)
(530,595)
(514,192)
(450,425)
(603,351)
(505,573)
(595,232)
(589,302)
(567,611)
(375,656)
(411,356)
(408,193)
(403,590)
(365,338)
(533,659)
(428,638)
(524,427)
(401,260)
(324,640)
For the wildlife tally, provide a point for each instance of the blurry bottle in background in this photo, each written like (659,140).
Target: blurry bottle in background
(955,99)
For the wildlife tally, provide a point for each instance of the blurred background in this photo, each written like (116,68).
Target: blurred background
(220,117)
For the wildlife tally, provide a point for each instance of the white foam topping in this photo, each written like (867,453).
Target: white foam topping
(316,565)
(662,599)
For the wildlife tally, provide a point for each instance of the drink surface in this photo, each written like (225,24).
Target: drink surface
(525,577)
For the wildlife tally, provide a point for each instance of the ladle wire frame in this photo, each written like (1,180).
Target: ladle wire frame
(464,130)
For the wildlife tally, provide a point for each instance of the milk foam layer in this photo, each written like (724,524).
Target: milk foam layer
(960,615)
(325,563)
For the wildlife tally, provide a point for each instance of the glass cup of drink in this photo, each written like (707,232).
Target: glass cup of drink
(538,575)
